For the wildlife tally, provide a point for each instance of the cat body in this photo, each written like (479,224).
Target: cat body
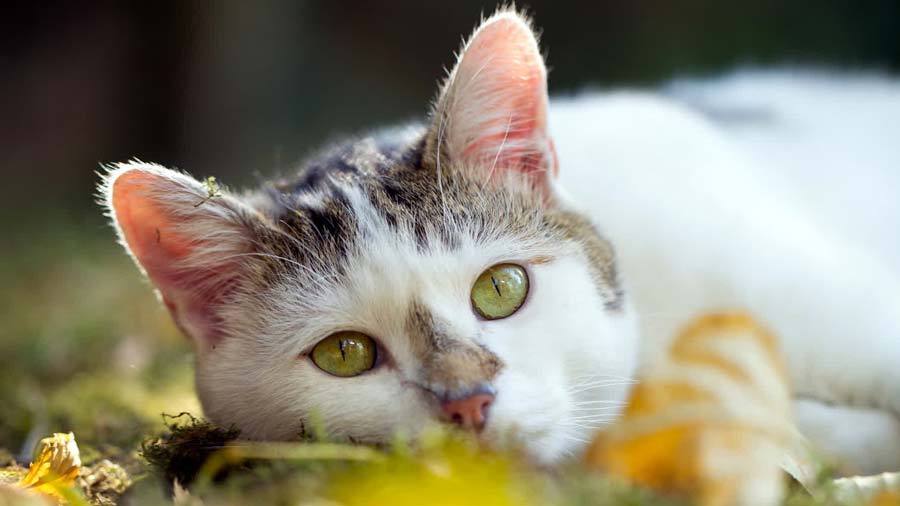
(379,245)
(700,225)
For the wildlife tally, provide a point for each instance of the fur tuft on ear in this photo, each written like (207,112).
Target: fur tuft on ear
(492,110)
(194,242)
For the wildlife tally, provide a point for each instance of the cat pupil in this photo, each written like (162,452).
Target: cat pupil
(496,286)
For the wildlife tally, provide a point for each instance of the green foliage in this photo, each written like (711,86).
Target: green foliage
(86,346)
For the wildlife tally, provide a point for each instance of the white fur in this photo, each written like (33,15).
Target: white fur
(862,441)
(791,214)
(555,368)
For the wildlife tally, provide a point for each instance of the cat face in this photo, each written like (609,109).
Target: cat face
(431,274)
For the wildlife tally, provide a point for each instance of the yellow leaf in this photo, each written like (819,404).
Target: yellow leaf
(710,421)
(56,468)
(447,472)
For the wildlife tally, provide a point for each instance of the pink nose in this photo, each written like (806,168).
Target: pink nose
(471,412)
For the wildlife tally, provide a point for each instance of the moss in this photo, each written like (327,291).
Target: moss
(179,454)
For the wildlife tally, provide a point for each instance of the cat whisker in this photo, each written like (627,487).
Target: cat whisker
(602,381)
(590,424)
(592,376)
(585,388)
(599,416)
(594,380)
(576,439)
(586,426)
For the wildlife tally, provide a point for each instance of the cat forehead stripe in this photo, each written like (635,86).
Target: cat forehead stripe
(385,185)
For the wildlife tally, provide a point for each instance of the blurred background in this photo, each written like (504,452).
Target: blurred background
(243,89)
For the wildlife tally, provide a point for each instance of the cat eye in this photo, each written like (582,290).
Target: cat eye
(345,354)
(500,291)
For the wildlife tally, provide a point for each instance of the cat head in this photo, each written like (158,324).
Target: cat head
(428,274)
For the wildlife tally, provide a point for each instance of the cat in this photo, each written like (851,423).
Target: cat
(481,271)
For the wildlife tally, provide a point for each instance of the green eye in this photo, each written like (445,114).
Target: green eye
(500,291)
(345,354)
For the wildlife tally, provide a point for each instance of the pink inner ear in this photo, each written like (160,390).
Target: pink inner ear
(145,226)
(172,260)
(499,111)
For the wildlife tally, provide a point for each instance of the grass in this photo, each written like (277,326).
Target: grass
(85,346)
(88,349)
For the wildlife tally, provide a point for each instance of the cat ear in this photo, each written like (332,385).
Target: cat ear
(189,238)
(492,111)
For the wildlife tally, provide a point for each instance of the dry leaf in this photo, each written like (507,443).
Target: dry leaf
(711,421)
